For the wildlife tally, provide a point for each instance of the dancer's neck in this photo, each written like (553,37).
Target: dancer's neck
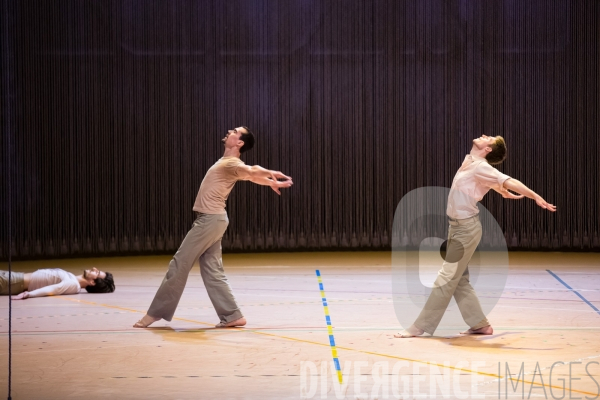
(478,152)
(82,281)
(232,152)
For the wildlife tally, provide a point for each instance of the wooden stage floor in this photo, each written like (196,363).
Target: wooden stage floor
(84,346)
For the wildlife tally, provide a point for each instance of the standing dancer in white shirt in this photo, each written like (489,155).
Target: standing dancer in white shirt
(203,241)
(473,180)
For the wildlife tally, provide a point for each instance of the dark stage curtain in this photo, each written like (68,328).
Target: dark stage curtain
(112,112)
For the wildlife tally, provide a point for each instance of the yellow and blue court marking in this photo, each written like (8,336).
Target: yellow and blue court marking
(336,361)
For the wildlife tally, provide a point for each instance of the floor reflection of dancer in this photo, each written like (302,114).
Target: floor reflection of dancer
(203,241)
(472,181)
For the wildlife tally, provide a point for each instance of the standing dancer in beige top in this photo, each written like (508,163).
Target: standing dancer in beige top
(203,241)
(473,180)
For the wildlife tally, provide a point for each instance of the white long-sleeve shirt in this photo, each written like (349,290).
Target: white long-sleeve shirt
(52,282)
(472,181)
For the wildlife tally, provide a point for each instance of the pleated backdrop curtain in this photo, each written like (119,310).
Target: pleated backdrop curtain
(113,111)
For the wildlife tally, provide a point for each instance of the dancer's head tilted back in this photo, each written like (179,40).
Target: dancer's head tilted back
(248,139)
(238,140)
(498,153)
(493,149)
(99,281)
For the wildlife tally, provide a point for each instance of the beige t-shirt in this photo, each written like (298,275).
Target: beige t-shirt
(473,180)
(218,183)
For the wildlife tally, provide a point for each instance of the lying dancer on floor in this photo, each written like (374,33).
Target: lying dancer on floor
(473,180)
(203,241)
(53,282)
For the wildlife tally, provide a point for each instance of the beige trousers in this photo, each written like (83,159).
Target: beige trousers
(203,243)
(17,282)
(453,279)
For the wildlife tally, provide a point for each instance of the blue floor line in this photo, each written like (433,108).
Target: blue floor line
(574,291)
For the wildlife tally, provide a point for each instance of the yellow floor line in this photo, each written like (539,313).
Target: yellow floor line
(340,347)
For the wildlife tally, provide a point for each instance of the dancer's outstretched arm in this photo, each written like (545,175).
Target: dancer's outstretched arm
(508,195)
(519,187)
(265,177)
(50,290)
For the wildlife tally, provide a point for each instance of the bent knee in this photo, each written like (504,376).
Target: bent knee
(213,277)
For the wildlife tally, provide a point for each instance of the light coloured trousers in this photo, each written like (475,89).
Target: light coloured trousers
(17,283)
(453,280)
(202,242)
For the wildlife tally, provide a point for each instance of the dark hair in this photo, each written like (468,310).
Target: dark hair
(248,139)
(498,153)
(106,285)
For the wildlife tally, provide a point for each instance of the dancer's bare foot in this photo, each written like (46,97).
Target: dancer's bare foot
(410,332)
(231,324)
(486,330)
(145,322)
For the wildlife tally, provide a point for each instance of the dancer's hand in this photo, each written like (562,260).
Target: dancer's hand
(276,185)
(508,195)
(276,175)
(21,296)
(544,204)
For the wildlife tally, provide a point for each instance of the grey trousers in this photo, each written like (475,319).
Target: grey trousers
(453,280)
(202,242)
(17,282)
